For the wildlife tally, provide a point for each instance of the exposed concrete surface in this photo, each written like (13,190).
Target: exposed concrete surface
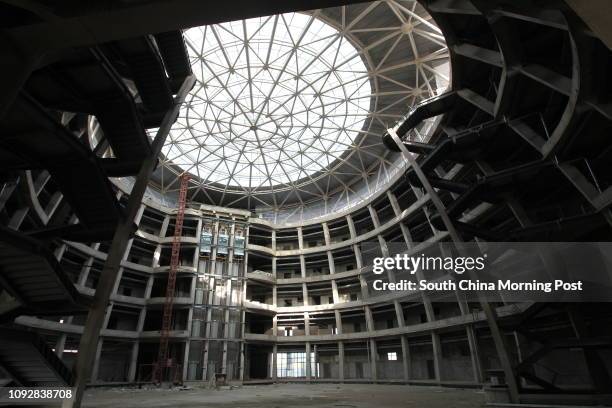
(597,14)
(289,395)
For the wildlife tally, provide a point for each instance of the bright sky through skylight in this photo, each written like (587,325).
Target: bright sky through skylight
(278,99)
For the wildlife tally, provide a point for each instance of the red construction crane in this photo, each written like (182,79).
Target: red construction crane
(162,358)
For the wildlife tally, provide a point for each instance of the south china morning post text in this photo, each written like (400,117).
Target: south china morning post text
(457,265)
(574,272)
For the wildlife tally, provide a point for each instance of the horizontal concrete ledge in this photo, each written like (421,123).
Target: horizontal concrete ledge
(433,383)
(343,244)
(450,322)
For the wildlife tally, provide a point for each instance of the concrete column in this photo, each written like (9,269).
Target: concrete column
(374,216)
(384,249)
(369,319)
(358,259)
(335,296)
(60,344)
(406,234)
(164,227)
(192,288)
(156,256)
(394,204)
(205,359)
(305,293)
(330,262)
(351,226)
(338,317)
(399,313)
(141,319)
(96,364)
(306,324)
(133,362)
(107,315)
(308,360)
(118,280)
(300,238)
(313,364)
(475,354)
(326,234)
(149,287)
(84,273)
(341,361)
(302,266)
(274,269)
(274,355)
(363,283)
(437,355)
(373,358)
(405,357)
(242,360)
(186,359)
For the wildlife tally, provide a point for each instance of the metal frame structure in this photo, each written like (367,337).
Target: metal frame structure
(385,56)
(515,149)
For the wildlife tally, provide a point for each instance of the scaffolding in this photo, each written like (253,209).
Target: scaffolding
(163,362)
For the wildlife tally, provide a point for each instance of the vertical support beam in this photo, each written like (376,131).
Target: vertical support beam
(373,359)
(437,355)
(60,344)
(399,313)
(84,273)
(308,362)
(490,312)
(405,358)
(338,318)
(95,318)
(341,361)
(95,371)
(274,361)
(186,358)
(133,362)
(474,354)
(242,359)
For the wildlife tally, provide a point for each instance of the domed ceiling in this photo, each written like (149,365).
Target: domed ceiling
(289,110)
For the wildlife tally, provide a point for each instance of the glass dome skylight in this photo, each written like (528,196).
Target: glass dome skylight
(278,101)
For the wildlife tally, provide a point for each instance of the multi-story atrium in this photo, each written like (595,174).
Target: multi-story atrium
(192,193)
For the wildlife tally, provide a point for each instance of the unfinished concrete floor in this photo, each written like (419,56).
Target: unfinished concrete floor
(289,396)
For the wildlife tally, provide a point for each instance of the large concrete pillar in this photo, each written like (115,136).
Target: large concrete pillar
(308,361)
(186,359)
(341,361)
(133,370)
(95,371)
(474,354)
(405,357)
(274,361)
(437,355)
(95,319)
(373,359)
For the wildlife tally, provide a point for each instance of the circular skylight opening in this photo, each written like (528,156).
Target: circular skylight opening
(278,99)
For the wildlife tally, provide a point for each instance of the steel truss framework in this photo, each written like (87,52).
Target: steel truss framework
(520,155)
(288,109)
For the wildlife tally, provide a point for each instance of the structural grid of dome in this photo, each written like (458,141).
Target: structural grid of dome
(288,110)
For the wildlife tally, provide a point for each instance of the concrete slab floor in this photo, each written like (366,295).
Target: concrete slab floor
(289,396)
